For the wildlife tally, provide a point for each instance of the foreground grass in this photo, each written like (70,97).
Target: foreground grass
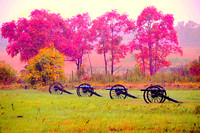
(35,111)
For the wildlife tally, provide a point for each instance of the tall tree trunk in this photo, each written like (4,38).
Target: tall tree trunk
(112,55)
(156,58)
(155,65)
(150,49)
(77,65)
(79,61)
(105,60)
(112,65)
(104,55)
(143,61)
(90,64)
(150,60)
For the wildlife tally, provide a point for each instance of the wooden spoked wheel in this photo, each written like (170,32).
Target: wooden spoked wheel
(85,90)
(118,92)
(56,88)
(154,94)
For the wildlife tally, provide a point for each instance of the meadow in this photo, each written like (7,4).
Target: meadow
(39,111)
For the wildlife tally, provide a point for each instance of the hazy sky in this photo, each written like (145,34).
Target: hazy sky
(183,10)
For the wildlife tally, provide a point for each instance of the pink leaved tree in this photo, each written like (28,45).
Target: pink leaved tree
(27,36)
(155,39)
(80,38)
(109,29)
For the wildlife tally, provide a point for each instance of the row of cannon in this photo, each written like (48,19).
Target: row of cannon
(152,94)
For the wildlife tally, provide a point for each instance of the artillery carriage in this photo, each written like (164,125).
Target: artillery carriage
(152,94)
(86,90)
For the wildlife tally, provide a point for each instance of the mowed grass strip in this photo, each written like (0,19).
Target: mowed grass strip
(35,111)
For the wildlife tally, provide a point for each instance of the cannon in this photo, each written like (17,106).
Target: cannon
(156,94)
(57,88)
(152,94)
(86,90)
(119,92)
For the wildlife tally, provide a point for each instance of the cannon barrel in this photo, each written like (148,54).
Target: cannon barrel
(171,99)
(67,92)
(129,95)
(96,94)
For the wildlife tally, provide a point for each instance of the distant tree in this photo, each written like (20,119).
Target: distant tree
(155,38)
(27,36)
(194,68)
(45,67)
(109,28)
(188,33)
(7,73)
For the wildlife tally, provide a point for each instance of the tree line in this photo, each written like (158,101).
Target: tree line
(153,37)
(188,33)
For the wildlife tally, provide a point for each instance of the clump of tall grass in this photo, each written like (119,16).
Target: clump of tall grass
(197,110)
(135,77)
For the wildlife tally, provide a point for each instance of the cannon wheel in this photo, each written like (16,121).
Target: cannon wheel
(56,88)
(116,93)
(84,90)
(154,94)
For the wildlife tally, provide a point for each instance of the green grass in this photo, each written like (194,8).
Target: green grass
(35,111)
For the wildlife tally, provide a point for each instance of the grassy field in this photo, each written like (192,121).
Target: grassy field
(36,111)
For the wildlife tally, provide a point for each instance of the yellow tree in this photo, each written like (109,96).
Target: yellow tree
(45,67)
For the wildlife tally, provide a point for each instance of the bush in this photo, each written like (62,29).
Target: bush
(7,73)
(194,68)
(44,68)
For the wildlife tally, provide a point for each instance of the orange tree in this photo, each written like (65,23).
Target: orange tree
(7,73)
(45,67)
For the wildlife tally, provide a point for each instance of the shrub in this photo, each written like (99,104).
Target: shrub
(7,73)
(44,68)
(194,68)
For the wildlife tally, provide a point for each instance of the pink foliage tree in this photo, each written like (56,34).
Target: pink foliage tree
(80,39)
(155,38)
(109,29)
(27,36)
